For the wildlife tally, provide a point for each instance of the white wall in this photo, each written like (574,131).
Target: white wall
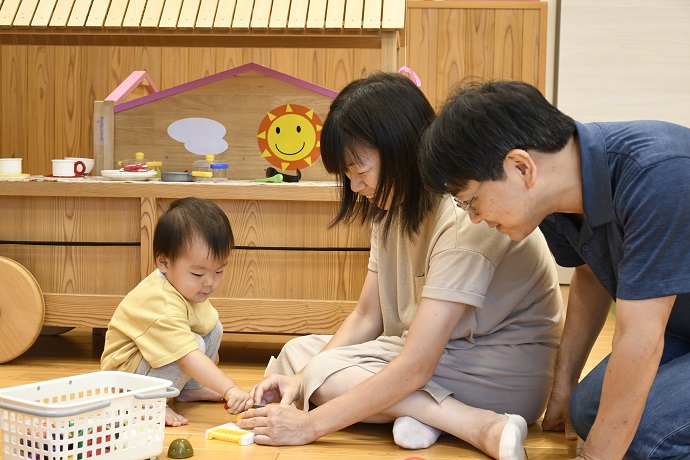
(624,60)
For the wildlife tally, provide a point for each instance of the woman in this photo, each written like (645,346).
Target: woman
(456,326)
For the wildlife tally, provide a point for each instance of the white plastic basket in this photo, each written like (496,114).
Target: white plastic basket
(104,415)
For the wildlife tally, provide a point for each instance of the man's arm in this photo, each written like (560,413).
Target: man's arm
(588,307)
(638,343)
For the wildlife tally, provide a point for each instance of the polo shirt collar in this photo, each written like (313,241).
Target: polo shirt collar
(597,198)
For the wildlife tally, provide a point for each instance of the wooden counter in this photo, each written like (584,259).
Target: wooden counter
(88,242)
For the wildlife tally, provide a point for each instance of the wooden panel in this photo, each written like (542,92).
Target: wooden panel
(298,14)
(70,219)
(8,11)
(13,102)
(152,13)
(316,15)
(43,12)
(144,128)
(276,316)
(116,13)
(79,270)
(25,13)
(470,43)
(171,12)
(533,55)
(61,14)
(149,218)
(279,14)
(393,15)
(335,15)
(507,62)
(261,14)
(41,106)
(353,14)
(243,14)
(77,17)
(424,58)
(372,14)
(99,8)
(134,15)
(188,14)
(207,12)
(226,9)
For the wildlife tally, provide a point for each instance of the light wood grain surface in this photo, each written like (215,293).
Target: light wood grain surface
(47,92)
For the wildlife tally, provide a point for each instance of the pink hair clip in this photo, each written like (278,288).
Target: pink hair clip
(413,76)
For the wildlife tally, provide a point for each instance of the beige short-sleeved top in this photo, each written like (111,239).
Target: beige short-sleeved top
(513,286)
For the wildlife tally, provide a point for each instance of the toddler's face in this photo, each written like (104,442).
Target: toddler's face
(196,274)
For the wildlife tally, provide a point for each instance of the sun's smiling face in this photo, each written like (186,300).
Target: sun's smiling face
(289,137)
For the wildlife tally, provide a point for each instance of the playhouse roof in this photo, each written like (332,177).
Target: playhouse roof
(199,22)
(137,77)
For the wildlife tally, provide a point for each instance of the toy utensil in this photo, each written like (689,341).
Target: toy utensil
(277,178)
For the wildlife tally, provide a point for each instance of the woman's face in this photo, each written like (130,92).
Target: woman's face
(364,176)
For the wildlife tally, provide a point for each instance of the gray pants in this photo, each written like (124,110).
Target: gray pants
(208,345)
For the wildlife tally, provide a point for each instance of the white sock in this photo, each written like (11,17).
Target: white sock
(512,439)
(413,434)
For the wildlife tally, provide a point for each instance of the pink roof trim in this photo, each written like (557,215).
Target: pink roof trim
(130,84)
(220,76)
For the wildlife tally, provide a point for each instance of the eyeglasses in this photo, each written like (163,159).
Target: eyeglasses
(467,205)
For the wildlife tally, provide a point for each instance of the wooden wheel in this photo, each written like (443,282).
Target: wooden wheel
(22,309)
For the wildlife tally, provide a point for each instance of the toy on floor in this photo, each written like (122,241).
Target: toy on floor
(180,448)
(230,432)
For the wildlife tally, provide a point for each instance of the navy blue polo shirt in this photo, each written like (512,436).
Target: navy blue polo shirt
(635,232)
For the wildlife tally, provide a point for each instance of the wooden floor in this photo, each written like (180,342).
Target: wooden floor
(78,351)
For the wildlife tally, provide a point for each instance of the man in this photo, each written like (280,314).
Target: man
(613,200)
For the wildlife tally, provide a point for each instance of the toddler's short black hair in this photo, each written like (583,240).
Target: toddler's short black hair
(190,219)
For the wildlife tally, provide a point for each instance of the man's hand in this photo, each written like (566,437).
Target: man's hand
(557,416)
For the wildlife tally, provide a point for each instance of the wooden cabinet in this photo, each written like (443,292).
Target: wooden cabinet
(88,243)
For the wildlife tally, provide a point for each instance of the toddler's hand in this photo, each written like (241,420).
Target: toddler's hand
(237,400)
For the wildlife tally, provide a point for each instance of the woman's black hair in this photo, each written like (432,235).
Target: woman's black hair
(386,112)
(188,220)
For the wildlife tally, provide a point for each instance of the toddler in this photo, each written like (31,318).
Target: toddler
(166,327)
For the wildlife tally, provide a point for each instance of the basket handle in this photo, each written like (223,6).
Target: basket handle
(171,392)
(56,413)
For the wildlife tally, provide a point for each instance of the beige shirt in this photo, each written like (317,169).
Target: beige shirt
(156,323)
(511,287)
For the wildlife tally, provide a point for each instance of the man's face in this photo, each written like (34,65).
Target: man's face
(503,205)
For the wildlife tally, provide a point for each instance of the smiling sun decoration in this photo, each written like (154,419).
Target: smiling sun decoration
(290,137)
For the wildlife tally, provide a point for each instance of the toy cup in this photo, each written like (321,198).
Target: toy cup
(89,162)
(10,166)
(68,168)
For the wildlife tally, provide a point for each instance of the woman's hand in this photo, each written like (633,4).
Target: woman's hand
(275,388)
(279,425)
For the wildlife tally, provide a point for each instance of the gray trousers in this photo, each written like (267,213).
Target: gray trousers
(208,345)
